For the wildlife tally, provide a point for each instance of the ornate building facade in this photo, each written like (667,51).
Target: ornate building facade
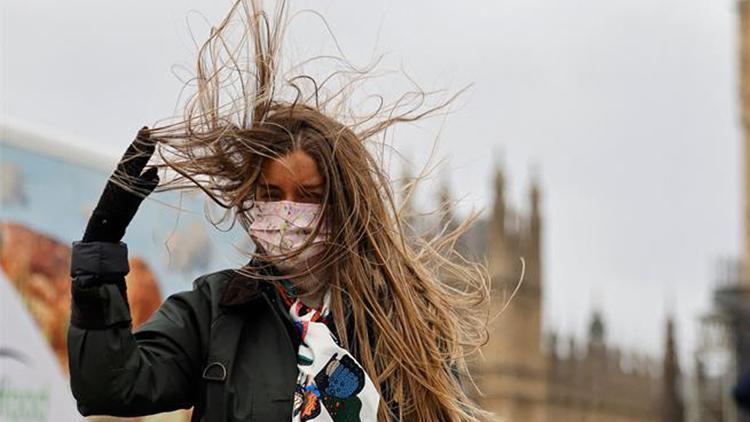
(524,374)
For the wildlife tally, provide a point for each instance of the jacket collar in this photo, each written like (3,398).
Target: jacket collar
(241,289)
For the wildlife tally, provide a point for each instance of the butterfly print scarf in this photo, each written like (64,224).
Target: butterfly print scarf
(331,384)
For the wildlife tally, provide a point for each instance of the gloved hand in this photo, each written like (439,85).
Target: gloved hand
(116,206)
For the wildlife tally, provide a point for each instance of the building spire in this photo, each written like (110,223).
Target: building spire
(597,331)
(534,249)
(499,207)
(672,409)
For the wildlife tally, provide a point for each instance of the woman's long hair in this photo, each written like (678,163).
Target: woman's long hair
(421,306)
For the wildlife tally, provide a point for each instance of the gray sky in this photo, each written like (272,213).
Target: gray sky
(626,109)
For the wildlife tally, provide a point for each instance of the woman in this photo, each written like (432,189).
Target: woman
(337,315)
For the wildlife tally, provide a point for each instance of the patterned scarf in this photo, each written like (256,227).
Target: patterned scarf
(331,385)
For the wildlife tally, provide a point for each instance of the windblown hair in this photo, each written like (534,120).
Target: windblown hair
(419,308)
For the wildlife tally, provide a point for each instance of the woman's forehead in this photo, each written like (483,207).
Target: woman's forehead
(297,167)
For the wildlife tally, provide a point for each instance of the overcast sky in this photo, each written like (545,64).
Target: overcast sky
(626,110)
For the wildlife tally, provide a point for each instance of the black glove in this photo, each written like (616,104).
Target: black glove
(116,206)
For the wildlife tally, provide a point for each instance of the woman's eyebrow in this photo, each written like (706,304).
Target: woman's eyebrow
(311,186)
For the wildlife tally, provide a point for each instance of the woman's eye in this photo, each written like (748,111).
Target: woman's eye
(267,196)
(314,197)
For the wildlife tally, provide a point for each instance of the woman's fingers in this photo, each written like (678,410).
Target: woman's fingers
(152,173)
(149,179)
(137,155)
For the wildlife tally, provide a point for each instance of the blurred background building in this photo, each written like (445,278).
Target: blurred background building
(529,375)
(724,349)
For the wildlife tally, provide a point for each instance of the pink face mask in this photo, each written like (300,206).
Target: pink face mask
(280,227)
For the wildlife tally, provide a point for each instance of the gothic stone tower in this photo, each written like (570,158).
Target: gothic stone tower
(512,375)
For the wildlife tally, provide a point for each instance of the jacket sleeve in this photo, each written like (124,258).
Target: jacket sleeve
(119,372)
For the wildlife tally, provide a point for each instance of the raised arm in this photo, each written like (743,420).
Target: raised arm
(113,370)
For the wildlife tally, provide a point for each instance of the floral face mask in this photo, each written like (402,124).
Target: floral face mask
(280,227)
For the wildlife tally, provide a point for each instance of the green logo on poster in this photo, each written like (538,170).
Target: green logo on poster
(23,404)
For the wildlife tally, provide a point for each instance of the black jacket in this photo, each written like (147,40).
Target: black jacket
(741,390)
(227,347)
